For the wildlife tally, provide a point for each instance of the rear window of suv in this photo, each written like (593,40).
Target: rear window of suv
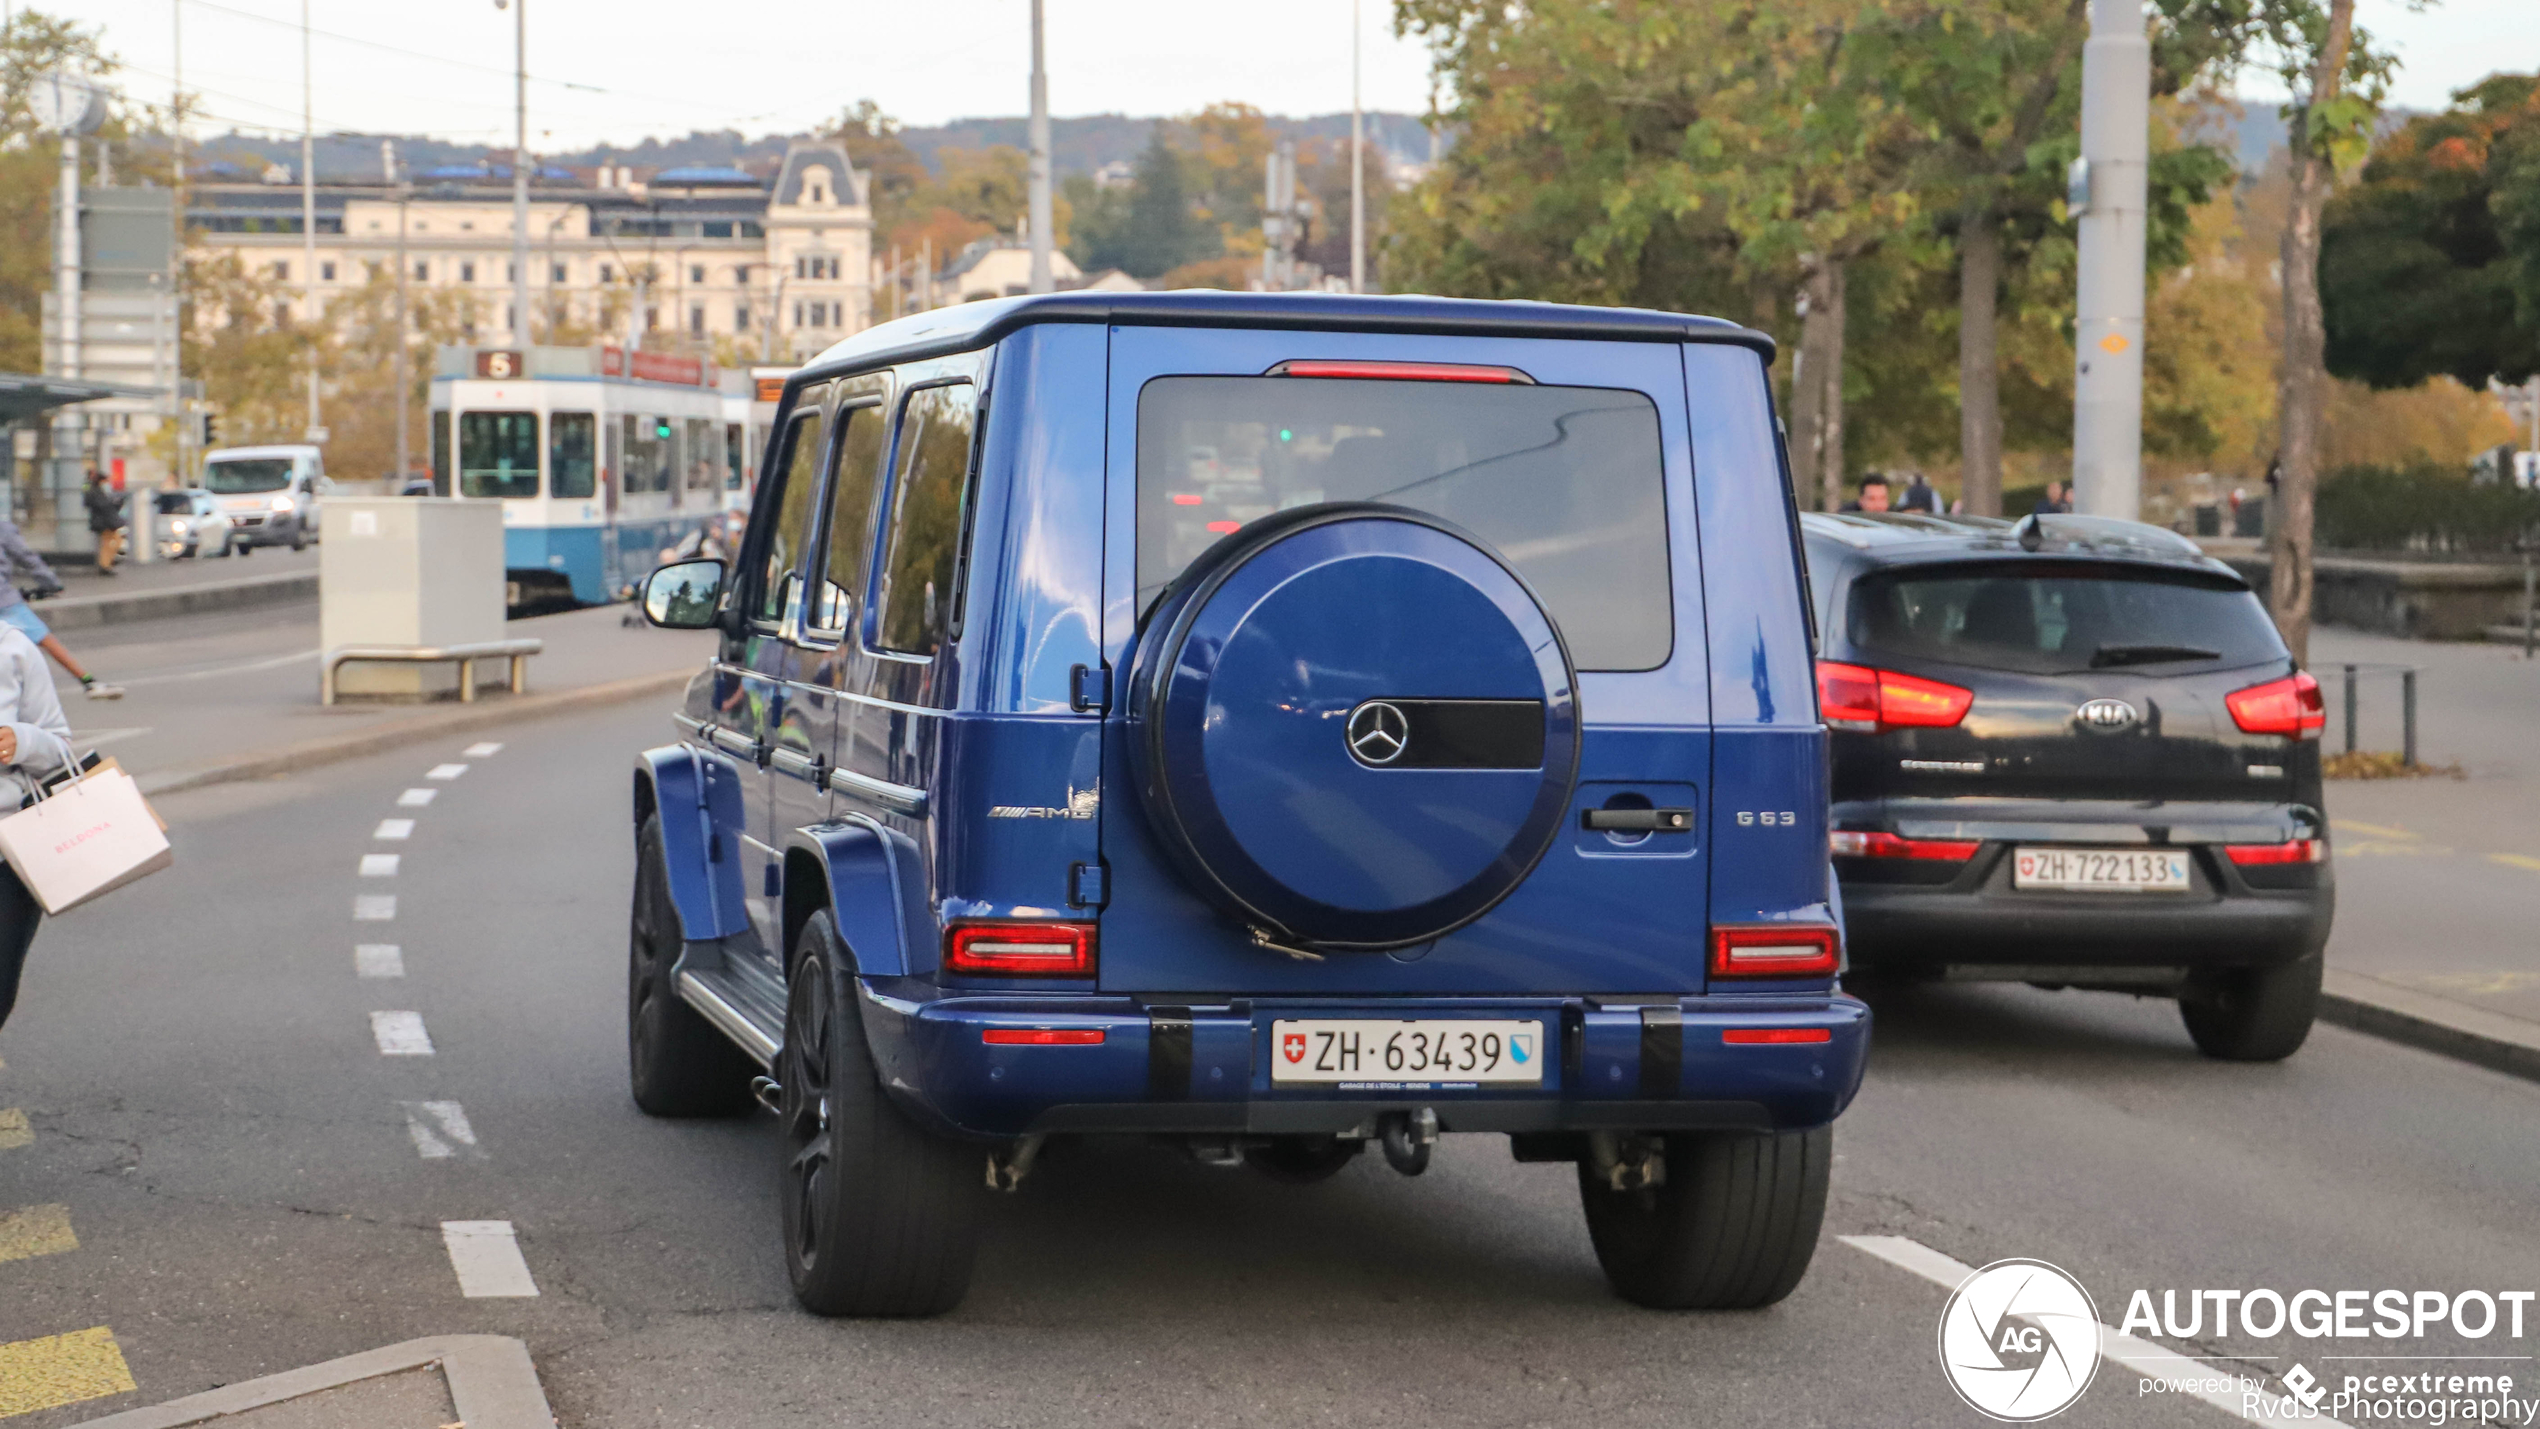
(1566,483)
(2053,619)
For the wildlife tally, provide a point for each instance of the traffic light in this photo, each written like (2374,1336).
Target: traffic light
(661,428)
(211,429)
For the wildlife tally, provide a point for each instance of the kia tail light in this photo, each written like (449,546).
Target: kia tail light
(1019,949)
(2291,707)
(2262,855)
(1810,950)
(1856,697)
(1856,843)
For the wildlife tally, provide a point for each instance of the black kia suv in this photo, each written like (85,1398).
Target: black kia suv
(2074,752)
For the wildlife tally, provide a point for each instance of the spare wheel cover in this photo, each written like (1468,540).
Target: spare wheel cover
(1354,727)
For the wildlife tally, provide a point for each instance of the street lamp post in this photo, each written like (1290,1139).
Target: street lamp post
(308,223)
(1043,280)
(2111,189)
(520,168)
(1357,166)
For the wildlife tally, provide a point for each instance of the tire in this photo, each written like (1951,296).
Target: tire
(1303,1160)
(677,1064)
(2254,1014)
(881,1217)
(1732,1228)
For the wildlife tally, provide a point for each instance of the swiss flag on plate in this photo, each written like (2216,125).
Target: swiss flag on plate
(1294,1045)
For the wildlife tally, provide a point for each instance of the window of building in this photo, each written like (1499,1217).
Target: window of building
(802,267)
(696,319)
(741,318)
(920,545)
(511,272)
(498,454)
(467,272)
(652,319)
(282,315)
(423,271)
(608,274)
(557,275)
(326,272)
(572,461)
(281,272)
(696,272)
(798,315)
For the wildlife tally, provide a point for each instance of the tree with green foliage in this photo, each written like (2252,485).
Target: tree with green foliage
(2430,263)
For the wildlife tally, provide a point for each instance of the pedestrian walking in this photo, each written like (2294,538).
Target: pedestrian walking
(1873,495)
(18,561)
(35,744)
(105,519)
(2057,501)
(1919,496)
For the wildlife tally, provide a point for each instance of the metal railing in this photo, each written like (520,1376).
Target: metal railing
(2353,675)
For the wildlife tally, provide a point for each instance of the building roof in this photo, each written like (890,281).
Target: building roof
(801,155)
(971,325)
(706,176)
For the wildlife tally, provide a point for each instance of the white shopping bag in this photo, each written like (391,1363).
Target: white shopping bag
(91,836)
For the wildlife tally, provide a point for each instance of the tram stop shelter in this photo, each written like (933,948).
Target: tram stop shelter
(44,495)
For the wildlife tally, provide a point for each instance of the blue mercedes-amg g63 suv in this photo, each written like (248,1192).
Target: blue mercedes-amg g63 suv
(1277,723)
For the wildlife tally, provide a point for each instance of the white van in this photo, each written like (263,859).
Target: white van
(270,494)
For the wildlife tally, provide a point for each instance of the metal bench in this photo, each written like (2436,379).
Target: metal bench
(517,651)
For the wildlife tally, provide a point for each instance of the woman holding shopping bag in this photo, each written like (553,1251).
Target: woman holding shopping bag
(35,744)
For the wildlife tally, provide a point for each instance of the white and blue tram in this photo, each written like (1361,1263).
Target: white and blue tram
(599,470)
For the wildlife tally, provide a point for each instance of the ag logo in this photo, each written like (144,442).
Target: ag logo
(2019,1341)
(1293,1045)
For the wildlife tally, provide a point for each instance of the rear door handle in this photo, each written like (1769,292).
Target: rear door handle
(1641,821)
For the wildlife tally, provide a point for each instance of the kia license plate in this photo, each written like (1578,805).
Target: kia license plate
(2101,870)
(1353,1052)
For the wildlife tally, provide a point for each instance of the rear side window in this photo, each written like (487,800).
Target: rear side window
(2056,619)
(1565,482)
(853,484)
(920,546)
(787,545)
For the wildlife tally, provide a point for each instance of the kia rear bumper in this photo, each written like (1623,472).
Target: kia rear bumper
(1134,1065)
(1905,927)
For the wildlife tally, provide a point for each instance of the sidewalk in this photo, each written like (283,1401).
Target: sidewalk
(2439,879)
(165,589)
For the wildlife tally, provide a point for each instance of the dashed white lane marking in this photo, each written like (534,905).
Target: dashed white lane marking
(378,960)
(374,907)
(445,771)
(415,798)
(479,751)
(440,1130)
(400,1034)
(2141,1356)
(393,829)
(379,865)
(486,1255)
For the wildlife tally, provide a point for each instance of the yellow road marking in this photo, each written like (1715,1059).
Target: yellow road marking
(2361,848)
(62,1369)
(37,1230)
(2517,860)
(2379,831)
(14,1132)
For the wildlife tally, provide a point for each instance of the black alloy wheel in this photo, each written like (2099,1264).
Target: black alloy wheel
(1732,1226)
(881,1217)
(677,1064)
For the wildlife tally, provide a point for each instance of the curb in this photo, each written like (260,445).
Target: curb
(464,719)
(87,612)
(2434,1024)
(493,1385)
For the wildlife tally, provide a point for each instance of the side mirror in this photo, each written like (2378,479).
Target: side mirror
(684,596)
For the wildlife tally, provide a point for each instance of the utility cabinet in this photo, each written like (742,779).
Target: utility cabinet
(419,572)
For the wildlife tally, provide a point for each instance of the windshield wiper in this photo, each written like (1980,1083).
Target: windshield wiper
(2110,655)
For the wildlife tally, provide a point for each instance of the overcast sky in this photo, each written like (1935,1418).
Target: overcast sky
(614,71)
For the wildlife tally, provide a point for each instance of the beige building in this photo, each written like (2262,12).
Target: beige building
(697,258)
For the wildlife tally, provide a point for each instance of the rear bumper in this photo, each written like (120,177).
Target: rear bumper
(1972,922)
(1642,1064)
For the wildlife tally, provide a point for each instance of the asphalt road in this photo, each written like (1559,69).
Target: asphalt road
(209,1105)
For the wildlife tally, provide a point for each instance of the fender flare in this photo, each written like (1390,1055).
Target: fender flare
(698,802)
(868,877)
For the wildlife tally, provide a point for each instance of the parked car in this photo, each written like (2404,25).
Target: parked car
(1276,723)
(191,523)
(272,495)
(2073,752)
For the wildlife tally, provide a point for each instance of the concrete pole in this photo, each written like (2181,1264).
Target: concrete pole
(520,174)
(308,217)
(1043,280)
(2116,105)
(388,156)
(1357,167)
(66,257)
(176,251)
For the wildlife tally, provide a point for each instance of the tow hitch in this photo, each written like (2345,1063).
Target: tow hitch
(1408,1137)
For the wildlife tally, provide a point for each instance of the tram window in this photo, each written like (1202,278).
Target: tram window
(915,594)
(650,459)
(572,464)
(498,454)
(853,484)
(701,473)
(788,540)
(441,453)
(735,459)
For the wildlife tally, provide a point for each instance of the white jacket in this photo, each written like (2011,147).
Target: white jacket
(29,706)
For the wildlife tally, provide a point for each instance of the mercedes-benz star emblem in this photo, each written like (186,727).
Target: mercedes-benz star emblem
(2107,715)
(1378,733)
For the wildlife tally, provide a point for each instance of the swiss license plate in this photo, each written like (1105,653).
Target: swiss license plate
(2101,870)
(1340,1051)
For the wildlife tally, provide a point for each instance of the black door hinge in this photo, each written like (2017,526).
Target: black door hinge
(1089,689)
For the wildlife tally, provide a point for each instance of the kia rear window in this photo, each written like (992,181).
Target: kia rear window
(2052,619)
(1565,483)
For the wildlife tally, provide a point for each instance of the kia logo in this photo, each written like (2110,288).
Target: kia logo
(2107,715)
(1377,733)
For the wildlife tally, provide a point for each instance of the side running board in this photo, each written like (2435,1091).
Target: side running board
(750,1015)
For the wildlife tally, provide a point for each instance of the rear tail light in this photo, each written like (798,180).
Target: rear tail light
(1856,697)
(1775,1036)
(2261,855)
(1853,843)
(1776,950)
(2291,707)
(1042,1036)
(1020,949)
